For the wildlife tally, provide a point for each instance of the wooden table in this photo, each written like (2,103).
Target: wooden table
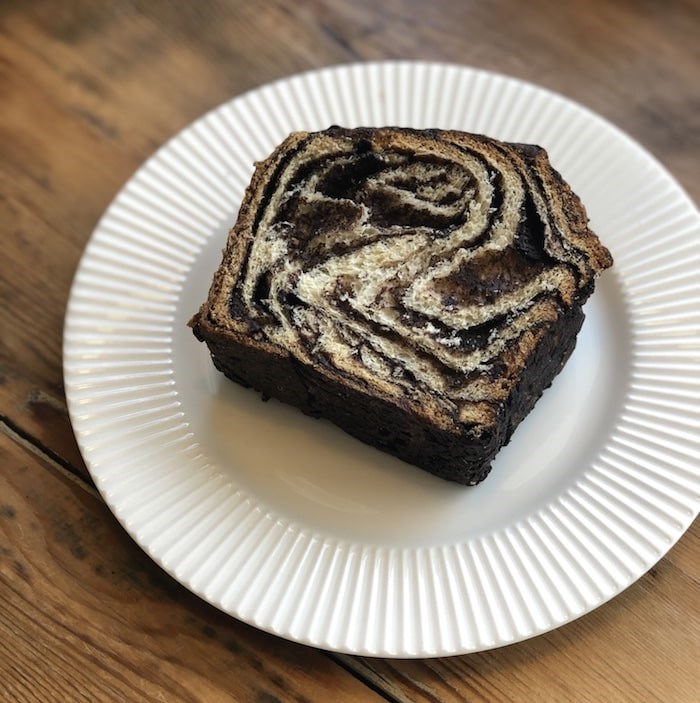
(88,89)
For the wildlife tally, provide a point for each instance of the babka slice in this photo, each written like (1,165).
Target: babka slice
(420,289)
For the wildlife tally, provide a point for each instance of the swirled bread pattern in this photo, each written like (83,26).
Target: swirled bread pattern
(421,270)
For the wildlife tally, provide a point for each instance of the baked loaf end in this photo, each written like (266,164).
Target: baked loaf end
(420,289)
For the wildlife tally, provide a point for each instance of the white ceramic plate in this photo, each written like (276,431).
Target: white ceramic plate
(292,526)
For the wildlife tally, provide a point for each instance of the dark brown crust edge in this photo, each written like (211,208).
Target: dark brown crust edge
(383,423)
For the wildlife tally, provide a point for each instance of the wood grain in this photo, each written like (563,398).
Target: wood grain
(38,413)
(86,616)
(89,89)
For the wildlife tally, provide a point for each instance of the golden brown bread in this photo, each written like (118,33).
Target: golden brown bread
(418,288)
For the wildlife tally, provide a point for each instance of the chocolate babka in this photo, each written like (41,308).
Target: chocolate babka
(418,288)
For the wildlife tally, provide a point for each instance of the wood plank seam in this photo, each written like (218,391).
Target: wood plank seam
(371,682)
(24,439)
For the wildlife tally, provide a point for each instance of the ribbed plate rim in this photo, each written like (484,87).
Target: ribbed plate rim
(157,312)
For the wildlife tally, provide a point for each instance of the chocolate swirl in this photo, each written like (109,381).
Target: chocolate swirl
(420,267)
(408,261)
